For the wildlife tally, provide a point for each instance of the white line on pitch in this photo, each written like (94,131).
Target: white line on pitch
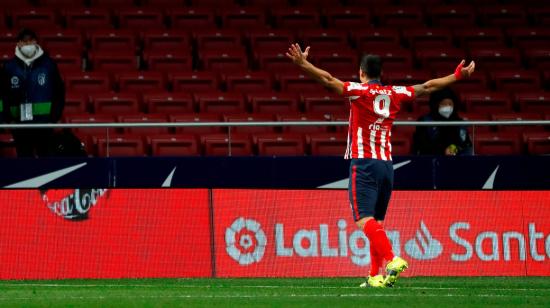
(259,296)
(175,286)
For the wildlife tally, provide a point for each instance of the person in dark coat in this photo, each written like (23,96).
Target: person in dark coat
(33,92)
(442,140)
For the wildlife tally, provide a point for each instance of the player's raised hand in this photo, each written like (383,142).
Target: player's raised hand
(464,72)
(296,54)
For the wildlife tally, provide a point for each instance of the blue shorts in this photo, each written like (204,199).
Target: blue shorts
(370,187)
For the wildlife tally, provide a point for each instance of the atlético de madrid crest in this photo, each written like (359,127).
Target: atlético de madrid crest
(41,79)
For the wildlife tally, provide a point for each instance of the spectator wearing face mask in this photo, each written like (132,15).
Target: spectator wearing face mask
(442,140)
(33,92)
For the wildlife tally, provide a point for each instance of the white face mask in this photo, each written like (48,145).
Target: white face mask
(28,50)
(446,111)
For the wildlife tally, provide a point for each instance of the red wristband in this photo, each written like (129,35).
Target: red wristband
(458,71)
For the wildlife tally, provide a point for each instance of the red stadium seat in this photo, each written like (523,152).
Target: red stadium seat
(120,146)
(192,18)
(8,40)
(91,118)
(440,60)
(60,3)
(304,118)
(501,144)
(400,146)
(113,61)
(325,103)
(406,78)
(400,16)
(276,62)
(141,81)
(7,146)
(429,38)
(274,40)
(273,102)
(487,102)
(527,38)
(169,62)
(113,40)
(88,18)
(537,143)
(112,3)
(195,81)
(214,40)
(538,58)
(88,81)
(75,103)
(280,144)
(476,37)
(115,103)
(165,40)
(168,102)
(220,102)
(224,60)
(61,40)
(502,15)
(140,18)
(534,101)
(452,15)
(334,40)
(516,80)
(336,59)
(144,118)
(68,60)
(496,58)
(243,18)
(348,18)
(327,144)
(250,118)
(395,59)
(517,117)
(221,145)
(299,83)
(197,118)
(368,38)
(35,18)
(165,4)
(541,14)
(174,145)
(247,82)
(296,18)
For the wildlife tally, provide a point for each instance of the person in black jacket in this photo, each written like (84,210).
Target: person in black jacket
(33,92)
(442,140)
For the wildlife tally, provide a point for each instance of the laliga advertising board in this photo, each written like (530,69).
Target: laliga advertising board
(293,233)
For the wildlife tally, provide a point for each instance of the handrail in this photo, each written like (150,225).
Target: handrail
(272,123)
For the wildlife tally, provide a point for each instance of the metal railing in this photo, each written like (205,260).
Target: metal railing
(229,125)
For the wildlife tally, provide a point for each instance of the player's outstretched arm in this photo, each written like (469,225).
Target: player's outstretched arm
(323,77)
(440,83)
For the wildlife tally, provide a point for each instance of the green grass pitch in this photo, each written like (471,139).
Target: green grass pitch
(277,292)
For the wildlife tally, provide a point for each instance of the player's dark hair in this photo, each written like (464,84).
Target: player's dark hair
(371,65)
(26,34)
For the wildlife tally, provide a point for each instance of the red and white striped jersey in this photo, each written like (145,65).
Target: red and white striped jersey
(373,108)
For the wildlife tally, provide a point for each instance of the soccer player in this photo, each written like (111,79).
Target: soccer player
(373,110)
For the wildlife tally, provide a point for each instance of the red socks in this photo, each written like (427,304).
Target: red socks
(378,239)
(375,261)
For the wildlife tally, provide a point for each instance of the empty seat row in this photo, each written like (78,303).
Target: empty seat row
(279,17)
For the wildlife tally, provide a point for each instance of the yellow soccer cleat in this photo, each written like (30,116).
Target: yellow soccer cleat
(374,282)
(393,269)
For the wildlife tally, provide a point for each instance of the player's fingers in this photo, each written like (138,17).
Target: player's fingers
(462,62)
(307,50)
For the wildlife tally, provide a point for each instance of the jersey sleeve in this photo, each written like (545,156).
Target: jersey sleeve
(354,89)
(403,93)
